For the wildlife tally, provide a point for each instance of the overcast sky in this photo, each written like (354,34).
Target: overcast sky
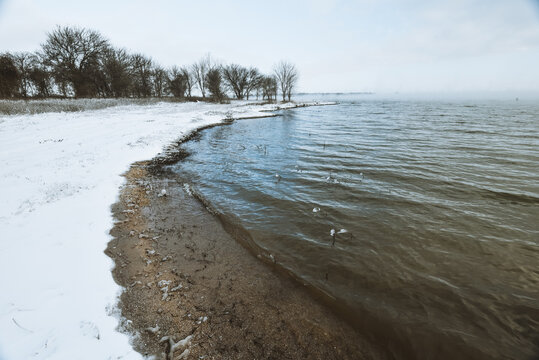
(337,45)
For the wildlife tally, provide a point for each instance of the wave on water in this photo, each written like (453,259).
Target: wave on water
(437,257)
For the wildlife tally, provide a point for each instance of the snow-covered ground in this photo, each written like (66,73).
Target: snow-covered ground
(59,175)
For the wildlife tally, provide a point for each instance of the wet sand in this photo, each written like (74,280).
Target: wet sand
(193,292)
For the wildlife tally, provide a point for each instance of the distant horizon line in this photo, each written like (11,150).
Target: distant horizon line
(422,92)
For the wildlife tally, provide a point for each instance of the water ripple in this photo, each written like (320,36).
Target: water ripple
(440,202)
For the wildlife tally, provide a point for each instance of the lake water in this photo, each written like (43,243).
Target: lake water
(434,204)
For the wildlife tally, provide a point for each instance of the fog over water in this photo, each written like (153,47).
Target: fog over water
(435,205)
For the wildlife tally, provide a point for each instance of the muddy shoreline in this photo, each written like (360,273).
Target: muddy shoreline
(192,291)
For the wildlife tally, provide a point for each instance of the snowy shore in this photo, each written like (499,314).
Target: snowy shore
(59,175)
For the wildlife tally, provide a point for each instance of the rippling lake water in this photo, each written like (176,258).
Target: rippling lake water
(435,207)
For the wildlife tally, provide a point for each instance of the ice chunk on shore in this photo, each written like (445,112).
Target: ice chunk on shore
(154,329)
(176,346)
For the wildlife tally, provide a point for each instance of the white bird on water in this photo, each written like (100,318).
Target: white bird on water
(278,177)
(316,209)
(334,234)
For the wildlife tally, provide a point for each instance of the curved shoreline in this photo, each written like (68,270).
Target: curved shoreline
(60,175)
(277,307)
(186,278)
(394,341)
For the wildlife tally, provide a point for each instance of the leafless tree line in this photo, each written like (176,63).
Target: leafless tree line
(77,62)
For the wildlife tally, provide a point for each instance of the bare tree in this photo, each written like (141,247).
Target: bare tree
(213,84)
(241,80)
(141,70)
(160,80)
(235,77)
(287,77)
(117,72)
(40,78)
(177,83)
(253,81)
(9,76)
(189,81)
(200,70)
(268,87)
(73,55)
(24,61)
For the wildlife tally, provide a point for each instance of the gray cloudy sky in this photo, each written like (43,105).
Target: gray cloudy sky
(338,45)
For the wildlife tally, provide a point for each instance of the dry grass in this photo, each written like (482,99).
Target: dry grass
(12,107)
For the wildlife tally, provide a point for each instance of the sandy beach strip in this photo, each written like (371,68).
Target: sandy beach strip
(193,292)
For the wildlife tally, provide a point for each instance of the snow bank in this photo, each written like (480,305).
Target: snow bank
(59,175)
